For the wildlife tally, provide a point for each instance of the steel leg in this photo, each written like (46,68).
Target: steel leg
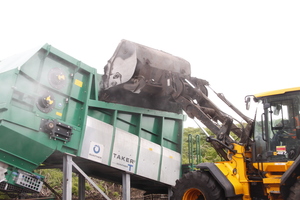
(126,186)
(81,184)
(67,179)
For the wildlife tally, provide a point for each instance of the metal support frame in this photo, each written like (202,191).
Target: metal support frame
(67,182)
(126,186)
(169,192)
(68,165)
(81,185)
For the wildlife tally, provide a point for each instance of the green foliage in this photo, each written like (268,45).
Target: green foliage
(208,153)
(3,196)
(75,184)
(54,177)
(116,194)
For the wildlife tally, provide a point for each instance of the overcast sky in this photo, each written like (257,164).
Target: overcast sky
(240,47)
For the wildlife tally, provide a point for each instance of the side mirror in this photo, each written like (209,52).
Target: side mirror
(248,102)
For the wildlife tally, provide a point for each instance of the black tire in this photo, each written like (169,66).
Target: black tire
(197,185)
(295,191)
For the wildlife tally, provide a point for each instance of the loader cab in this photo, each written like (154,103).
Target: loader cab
(277,126)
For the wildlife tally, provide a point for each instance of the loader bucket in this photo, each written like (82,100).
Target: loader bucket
(137,75)
(134,60)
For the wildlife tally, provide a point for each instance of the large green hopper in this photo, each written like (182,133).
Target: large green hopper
(49,107)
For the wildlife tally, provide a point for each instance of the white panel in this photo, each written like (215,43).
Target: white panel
(124,151)
(149,159)
(97,141)
(97,144)
(170,169)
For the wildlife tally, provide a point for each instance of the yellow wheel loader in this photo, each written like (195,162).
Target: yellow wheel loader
(263,164)
(261,156)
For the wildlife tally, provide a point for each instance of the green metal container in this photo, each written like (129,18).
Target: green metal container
(49,105)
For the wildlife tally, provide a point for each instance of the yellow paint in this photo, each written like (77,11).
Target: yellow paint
(58,114)
(78,83)
(273,167)
(272,185)
(275,92)
(61,77)
(235,171)
(273,172)
(273,180)
(48,99)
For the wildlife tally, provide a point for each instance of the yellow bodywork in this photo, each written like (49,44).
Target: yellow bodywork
(236,172)
(275,92)
(273,172)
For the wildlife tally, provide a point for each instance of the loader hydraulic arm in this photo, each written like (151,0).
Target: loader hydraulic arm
(191,95)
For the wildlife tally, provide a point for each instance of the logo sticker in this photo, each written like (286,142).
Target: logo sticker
(96,151)
(281,150)
(124,162)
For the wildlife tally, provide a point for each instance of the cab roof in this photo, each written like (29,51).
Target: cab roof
(276,92)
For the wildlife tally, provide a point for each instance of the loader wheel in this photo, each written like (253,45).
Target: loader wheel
(295,191)
(197,185)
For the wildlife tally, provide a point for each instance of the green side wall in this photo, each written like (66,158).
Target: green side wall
(25,145)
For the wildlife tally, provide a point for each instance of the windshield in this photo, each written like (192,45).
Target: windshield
(277,128)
